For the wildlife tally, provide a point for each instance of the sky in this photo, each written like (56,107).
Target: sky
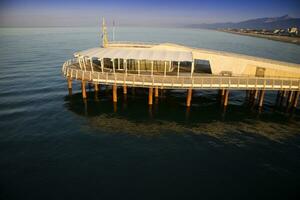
(143,13)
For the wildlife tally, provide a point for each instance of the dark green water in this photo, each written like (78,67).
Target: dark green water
(56,146)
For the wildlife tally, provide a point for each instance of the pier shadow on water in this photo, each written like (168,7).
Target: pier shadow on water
(204,151)
(132,115)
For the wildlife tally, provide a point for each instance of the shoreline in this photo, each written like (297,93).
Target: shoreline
(287,39)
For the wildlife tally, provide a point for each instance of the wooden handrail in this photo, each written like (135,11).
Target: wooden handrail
(194,81)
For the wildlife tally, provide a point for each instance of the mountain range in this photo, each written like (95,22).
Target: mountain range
(268,23)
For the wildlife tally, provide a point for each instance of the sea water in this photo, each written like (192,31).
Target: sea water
(56,146)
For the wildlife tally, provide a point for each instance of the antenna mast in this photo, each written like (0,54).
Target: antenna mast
(104,34)
(114,30)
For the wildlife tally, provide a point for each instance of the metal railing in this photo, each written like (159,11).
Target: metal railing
(181,82)
(132,42)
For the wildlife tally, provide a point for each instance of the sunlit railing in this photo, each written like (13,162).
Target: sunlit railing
(183,82)
(132,42)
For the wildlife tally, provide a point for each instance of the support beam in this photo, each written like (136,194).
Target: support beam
(192,68)
(80,64)
(139,67)
(92,67)
(83,89)
(289,99)
(115,98)
(156,92)
(165,70)
(96,88)
(85,107)
(284,93)
(96,92)
(296,99)
(115,107)
(125,65)
(150,96)
(84,63)
(189,97)
(226,97)
(102,65)
(124,89)
(69,83)
(221,95)
(178,66)
(255,94)
(69,80)
(261,98)
(223,92)
(151,68)
(113,64)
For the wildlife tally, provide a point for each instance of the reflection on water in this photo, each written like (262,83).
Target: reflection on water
(237,124)
(52,143)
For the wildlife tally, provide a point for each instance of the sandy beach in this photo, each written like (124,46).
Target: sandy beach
(293,40)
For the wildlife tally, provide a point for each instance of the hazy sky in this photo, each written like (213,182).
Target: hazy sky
(134,12)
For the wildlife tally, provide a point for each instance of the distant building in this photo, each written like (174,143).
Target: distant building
(276,31)
(293,30)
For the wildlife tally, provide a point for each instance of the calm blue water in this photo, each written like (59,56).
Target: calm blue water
(55,146)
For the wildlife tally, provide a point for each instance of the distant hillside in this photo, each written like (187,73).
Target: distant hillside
(282,22)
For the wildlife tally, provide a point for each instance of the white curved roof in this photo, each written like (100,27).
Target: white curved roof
(138,54)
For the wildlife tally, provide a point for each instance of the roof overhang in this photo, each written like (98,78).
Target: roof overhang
(137,54)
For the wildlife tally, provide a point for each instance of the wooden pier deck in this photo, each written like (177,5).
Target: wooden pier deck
(71,70)
(255,86)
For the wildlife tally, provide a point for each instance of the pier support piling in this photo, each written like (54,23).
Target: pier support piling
(70,86)
(284,93)
(83,89)
(96,88)
(296,98)
(69,83)
(223,92)
(189,97)
(150,96)
(261,98)
(289,99)
(115,97)
(124,89)
(156,92)
(115,107)
(255,94)
(226,94)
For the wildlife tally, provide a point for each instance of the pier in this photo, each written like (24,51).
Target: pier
(257,85)
(171,66)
